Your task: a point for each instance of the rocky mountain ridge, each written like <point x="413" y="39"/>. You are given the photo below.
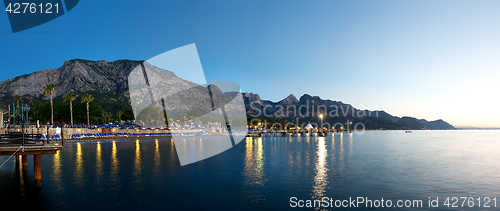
<point x="306" y="110"/>
<point x="109" y="80"/>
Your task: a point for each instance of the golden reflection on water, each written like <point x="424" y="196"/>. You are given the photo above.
<point x="248" y="154"/>
<point x="137" y="161"/>
<point x="79" y="164"/>
<point x="320" y="179"/>
<point x="259" y="167"/>
<point x="98" y="160"/>
<point x="172" y="151"/>
<point x="254" y="168"/>
<point x="22" y="178"/>
<point x="57" y="167"/>
<point x="157" y="157"/>
<point x="57" y="170"/>
<point x="114" y="160"/>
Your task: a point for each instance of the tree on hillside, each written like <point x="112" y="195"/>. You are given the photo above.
<point x="87" y="98"/>
<point x="109" y="115"/>
<point x="119" y="115"/>
<point x="36" y="105"/>
<point x="49" y="90"/>
<point x="71" y="97"/>
<point x="104" y="116"/>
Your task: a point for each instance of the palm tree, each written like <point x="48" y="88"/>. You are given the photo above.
<point x="87" y="98"/>
<point x="17" y="100"/>
<point x="109" y="115"/>
<point x="49" y="90"/>
<point x="71" y="97"/>
<point x="104" y="117"/>
<point x="120" y="115"/>
<point x="36" y="107"/>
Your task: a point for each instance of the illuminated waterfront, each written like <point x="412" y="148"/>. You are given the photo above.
<point x="262" y="172"/>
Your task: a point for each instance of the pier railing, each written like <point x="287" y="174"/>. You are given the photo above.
<point x="20" y="137"/>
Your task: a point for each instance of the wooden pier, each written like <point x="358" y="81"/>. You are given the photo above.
<point x="21" y="147"/>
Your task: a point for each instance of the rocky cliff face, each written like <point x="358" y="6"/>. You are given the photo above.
<point x="78" y="76"/>
<point x="110" y="81"/>
<point x="290" y="100"/>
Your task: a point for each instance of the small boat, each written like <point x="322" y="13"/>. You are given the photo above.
<point x="408" y="131"/>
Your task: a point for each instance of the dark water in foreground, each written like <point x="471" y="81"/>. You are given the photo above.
<point x="263" y="173"/>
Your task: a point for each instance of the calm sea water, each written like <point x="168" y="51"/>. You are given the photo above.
<point x="262" y="173"/>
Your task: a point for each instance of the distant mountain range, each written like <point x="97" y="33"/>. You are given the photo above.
<point x="108" y="82"/>
<point x="306" y="109"/>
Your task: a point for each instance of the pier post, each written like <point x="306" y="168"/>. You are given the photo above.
<point x="37" y="164"/>
<point x="24" y="159"/>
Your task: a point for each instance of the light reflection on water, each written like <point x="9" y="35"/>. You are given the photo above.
<point x="254" y="172"/>
<point x="157" y="157"/>
<point x="114" y="161"/>
<point x="320" y="179"/>
<point x="341" y="158"/>
<point x="264" y="172"/>
<point x="56" y="172"/>
<point x="137" y="161"/>
<point x="99" y="164"/>
<point x="79" y="177"/>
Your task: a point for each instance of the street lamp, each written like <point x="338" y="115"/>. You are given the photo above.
<point x="321" y="118"/>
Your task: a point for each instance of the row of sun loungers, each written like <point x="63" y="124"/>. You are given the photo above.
<point x="141" y="134"/>
<point x="99" y="126"/>
<point x="92" y="135"/>
<point x="54" y="137"/>
<point x="107" y="135"/>
<point x="159" y="134"/>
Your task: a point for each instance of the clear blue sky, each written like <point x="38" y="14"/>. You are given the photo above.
<point x="422" y="58"/>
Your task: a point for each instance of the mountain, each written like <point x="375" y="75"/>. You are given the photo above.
<point x="290" y="100"/>
<point x="78" y="76"/>
<point x="436" y="125"/>
<point x="411" y="122"/>
<point x="307" y="107"/>
<point x="108" y="82"/>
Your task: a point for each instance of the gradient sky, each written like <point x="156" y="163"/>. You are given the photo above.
<point x="421" y="58"/>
